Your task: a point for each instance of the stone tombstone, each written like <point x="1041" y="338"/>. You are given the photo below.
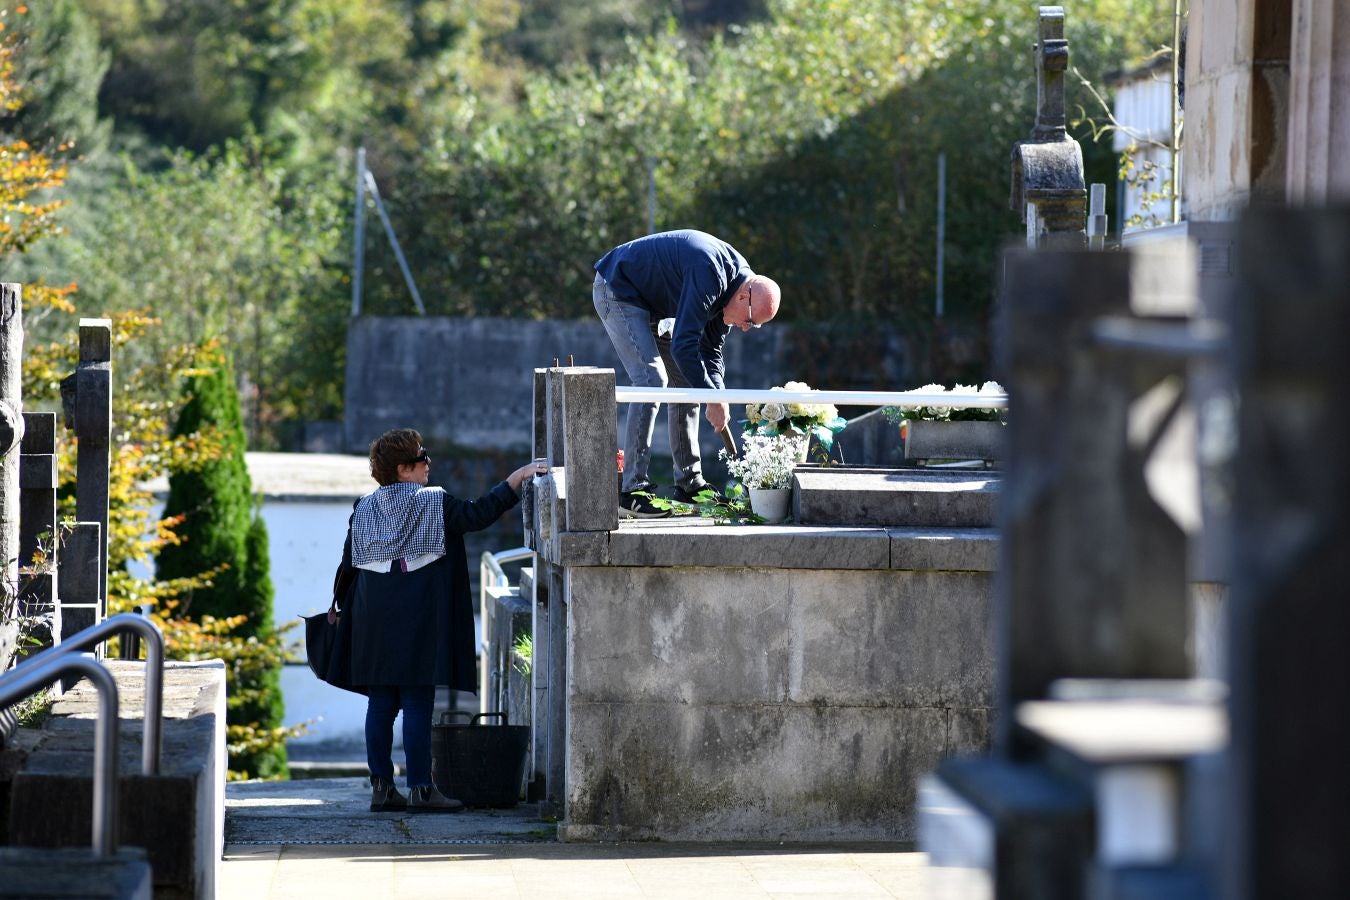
<point x="11" y="432"/>
<point x="37" y="518"/>
<point x="1092" y="575"/>
<point x="1047" y="169"/>
<point x="1289" y="669"/>
<point x="86" y="399"/>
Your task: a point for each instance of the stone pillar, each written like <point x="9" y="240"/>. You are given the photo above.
<point x="86" y="398"/>
<point x="590" y="436"/>
<point x="37" y="520"/>
<point x="11" y="432"/>
<point x="1289" y="671"/>
<point x="1093" y="569"/>
<point x="1237" y="105"/>
<point x="1319" y="103"/>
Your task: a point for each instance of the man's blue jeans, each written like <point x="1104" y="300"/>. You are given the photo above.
<point x="646" y="358"/>
<point x="416" y="702"/>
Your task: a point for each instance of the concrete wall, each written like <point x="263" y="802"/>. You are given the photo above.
<point x="787" y="704"/>
<point x="1237" y="105"/>
<point x="466" y="382"/>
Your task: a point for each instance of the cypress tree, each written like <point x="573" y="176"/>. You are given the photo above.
<point x="220" y="527"/>
<point x="214" y="497"/>
<point x="261" y="701"/>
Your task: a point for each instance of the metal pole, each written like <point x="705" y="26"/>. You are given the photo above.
<point x="393" y="242"/>
<point x="359" y="241"/>
<point x="941" y="227"/>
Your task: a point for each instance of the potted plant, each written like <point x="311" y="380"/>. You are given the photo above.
<point x="765" y="468"/>
<point x="946" y="432"/>
<point x="799" y="421"/>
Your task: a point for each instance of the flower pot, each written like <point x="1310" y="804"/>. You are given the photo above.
<point x="771" y="503"/>
<point x="953" y="440"/>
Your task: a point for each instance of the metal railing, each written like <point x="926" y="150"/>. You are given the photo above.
<point x="154" y="672"/>
<point x="34" y="675"/>
<point x="490" y="574"/>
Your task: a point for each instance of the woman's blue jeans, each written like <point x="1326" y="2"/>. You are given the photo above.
<point x="416" y="702"/>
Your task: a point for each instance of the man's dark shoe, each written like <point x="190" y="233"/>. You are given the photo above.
<point x="384" y="797"/>
<point x="634" y="506"/>
<point x="689" y="494"/>
<point x="426" y="799"/>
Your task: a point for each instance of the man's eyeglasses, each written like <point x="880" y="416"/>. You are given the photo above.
<point x="750" y="306"/>
<point x="422" y="457"/>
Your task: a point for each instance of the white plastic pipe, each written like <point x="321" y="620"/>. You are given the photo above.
<point x="839" y="398"/>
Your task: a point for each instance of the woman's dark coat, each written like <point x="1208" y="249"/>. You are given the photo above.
<point x="410" y="628"/>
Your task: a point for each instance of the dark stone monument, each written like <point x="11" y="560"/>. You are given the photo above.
<point x="1047" y="168"/>
<point x="11" y="432"/>
<point x="39" y="543"/>
<point x="86" y="399"/>
<point x="1093" y="571"/>
<point x="1289" y="671"/>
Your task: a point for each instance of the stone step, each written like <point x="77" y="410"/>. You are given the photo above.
<point x="176" y="815"/>
<point x="32" y="872"/>
<point x="926" y="498"/>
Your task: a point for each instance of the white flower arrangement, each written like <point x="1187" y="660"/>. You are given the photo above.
<point x="948" y="413"/>
<point x="796" y="419"/>
<point x="766" y="461"/>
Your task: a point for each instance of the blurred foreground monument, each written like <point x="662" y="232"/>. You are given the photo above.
<point x="1176" y="506"/>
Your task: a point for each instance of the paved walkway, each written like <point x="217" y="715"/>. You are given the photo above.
<point x="306" y="839"/>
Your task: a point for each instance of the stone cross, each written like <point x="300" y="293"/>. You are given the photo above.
<point x="1052" y="61"/>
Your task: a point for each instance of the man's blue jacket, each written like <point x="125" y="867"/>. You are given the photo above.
<point x="686" y="275"/>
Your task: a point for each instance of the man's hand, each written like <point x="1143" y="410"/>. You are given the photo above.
<point x="717" y="415"/>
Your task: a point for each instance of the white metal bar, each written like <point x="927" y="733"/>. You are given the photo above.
<point x="839" y="398"/>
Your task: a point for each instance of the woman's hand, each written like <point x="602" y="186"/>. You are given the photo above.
<point x="517" y="478"/>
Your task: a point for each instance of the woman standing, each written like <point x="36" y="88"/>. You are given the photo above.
<point x="404" y="582"/>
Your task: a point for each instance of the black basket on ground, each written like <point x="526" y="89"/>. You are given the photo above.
<point x="480" y="765"/>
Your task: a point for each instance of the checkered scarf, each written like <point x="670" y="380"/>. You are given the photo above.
<point x="398" y="521"/>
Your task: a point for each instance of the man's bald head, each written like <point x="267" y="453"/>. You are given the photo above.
<point x="767" y="297"/>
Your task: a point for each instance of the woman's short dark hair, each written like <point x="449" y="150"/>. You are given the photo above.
<point x="392" y="449"/>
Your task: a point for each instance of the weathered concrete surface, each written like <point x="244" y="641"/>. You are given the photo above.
<point x="695" y="542"/>
<point x="1237" y="104"/>
<point x="676" y="772"/>
<point x="938" y="499"/>
<point x="1319" y="116"/>
<point x="745" y="703"/>
<point x="953" y="440"/>
<point x="177" y="815"/>
<point x="74" y="873"/>
<point x="951" y="549"/>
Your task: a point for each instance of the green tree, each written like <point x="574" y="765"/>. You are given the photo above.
<point x="220" y="533"/>
<point x="261" y="709"/>
<point x="214" y="500"/>
<point x="61" y="67"/>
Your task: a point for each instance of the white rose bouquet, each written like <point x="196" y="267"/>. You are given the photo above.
<point x="947" y="413"/>
<point x="794" y="419"/>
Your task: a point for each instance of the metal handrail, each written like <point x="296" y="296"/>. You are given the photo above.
<point x="29" y="678"/>
<point x="154" y="672"/>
